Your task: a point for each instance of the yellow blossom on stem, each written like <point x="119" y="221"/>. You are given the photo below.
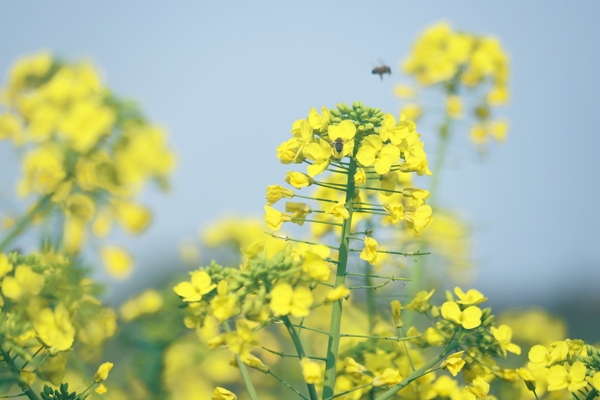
<point x="396" y="211"/>
<point x="255" y="362"/>
<point x="299" y="211"/>
<point x="223" y="304"/>
<point x="276" y="192"/>
<point x="418" y="196"/>
<point x="369" y="252"/>
<point x="503" y="334"/>
<point x="338" y="210"/>
<point x="102" y="372"/>
<point x="539" y="357"/>
<point x="373" y="152"/>
<point x="596" y="381"/>
<point x="345" y="131"/>
<point x="275" y="219"/>
<point x="285" y="300"/>
<point x="200" y="285"/>
<point x="117" y="261"/>
<point x="421" y="301"/>
<point x="527" y="377"/>
<point x="360" y="177"/>
<point x="454" y="363"/>
<point x="419" y="219"/>
<point x="480" y="389"/>
<point x="389" y="377"/>
<point x="469" y="318"/>
<point x="319" y="153"/>
<point x="223" y="394"/>
<point x="318" y="122"/>
<point x="311" y="370"/>
<point x="25" y="281"/>
<point x="101" y="389"/>
<point x="5" y="265"/>
<point x="298" y="179"/>
<point x="336" y="294"/>
<point x="471" y="298"/>
<point x="574" y="379"/>
<point x="353" y="368"/>
<point x="54" y="328"/>
<point x="291" y="151"/>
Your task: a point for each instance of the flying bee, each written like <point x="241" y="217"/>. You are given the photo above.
<point x="383" y="69"/>
<point x="338" y="145"/>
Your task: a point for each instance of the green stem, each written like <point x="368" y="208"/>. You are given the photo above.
<point x="288" y="385"/>
<point x="420" y="372"/>
<point x="24" y="221"/>
<point x="312" y="391"/>
<point x="27" y="391"/>
<point x="391" y="278"/>
<point x="340" y="279"/>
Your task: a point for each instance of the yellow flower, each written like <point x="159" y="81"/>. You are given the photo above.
<point x="353" y="368"/>
<point x="372" y="152"/>
<point x="298" y="179"/>
<point x="345" y="130"/>
<point x="336" y="294"/>
<point x="454" y="363"/>
<point x="5" y="265"/>
<point x="528" y="377"/>
<point x="275" y="219"/>
<point x="559" y="378"/>
<point x="319" y="153"/>
<point x="117" y="261"/>
<point x="43" y="170"/>
<point x="454" y="106"/>
<point x="369" y="253"/>
<point x="291" y="151"/>
<point x="419" y="219"/>
<point x="360" y="177"/>
<point x="200" y="285"/>
<point x="311" y="370"/>
<point x="101" y="389"/>
<point x="338" y="210"/>
<point x="102" y="373"/>
<point x="596" y="381"/>
<point x="471" y="298"/>
<point x="256" y="363"/>
<point x="389" y="377"/>
<point x="54" y="328"/>
<point x="503" y="335"/>
<point x="285" y="300"/>
<point x="276" y="192"/>
<point x="480" y="389"/>
<point x="539" y="357"/>
<point x="223" y="394"/>
<point x="317" y="122"/>
<point x="421" y="301"/>
<point x="223" y="304"/>
<point x="469" y="318"/>
<point x="24" y="281"/>
<point x="299" y="211"/>
<point x="396" y="211"/>
<point x="132" y="217"/>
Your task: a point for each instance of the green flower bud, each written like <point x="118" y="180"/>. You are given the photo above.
<point x="353" y="115"/>
<point x="380" y="114"/>
<point x="489" y="321"/>
<point x="369" y="127"/>
<point x="336" y="120"/>
<point x="486" y="312"/>
<point x="356" y="104"/>
<point x="435" y="311"/>
<point x="374" y="120"/>
<point x="449" y="296"/>
<point x="364" y="116"/>
<point x="335" y="113"/>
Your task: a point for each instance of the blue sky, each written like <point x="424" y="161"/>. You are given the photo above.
<point x="229" y="78"/>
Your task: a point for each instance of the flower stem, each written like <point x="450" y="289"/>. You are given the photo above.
<point x="27" y="391"/>
<point x="24" y="221"/>
<point x="312" y="391"/>
<point x="243" y="370"/>
<point x="340" y="278"/>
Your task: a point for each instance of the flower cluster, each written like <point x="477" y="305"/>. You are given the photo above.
<point x="460" y="61"/>
<point x="86" y="153"/>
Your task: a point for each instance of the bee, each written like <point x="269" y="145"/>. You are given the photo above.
<point x="338" y="145"/>
<point x="383" y="69"/>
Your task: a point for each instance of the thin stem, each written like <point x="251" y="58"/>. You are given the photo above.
<point x="401" y="334"/>
<point x="287" y="384"/>
<point x="312" y="391"/>
<point x="314" y="220"/>
<point x="283" y="355"/>
<point x="289" y="239"/>
<point x="391" y="278"/>
<point x="18" y="228"/>
<point x="315" y="198"/>
<point x="374" y="287"/>
<point x="394" y="338"/>
<point x="310" y="329"/>
<point x="27" y="391"/>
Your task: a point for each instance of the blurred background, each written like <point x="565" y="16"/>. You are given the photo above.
<point x="228" y="79"/>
